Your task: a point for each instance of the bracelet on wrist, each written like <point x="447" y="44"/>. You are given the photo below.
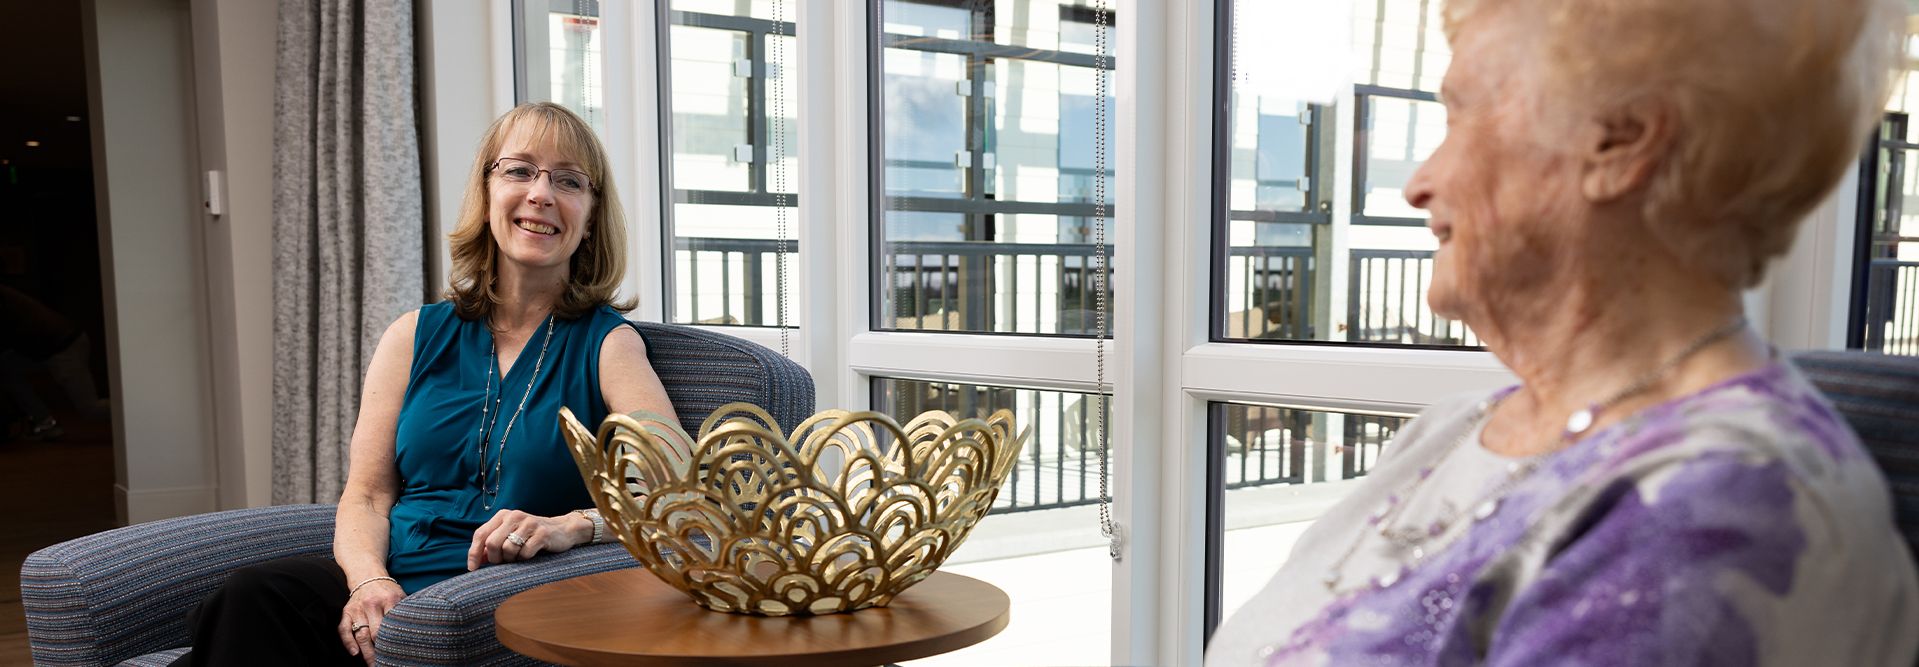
<point x="356" y="587"/>
<point x="592" y="516"/>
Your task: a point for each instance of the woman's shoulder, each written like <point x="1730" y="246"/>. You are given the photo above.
<point x="432" y="323"/>
<point x="435" y="312"/>
<point x="593" y="326"/>
<point x="1768" y="428"/>
<point x="1771" y="413"/>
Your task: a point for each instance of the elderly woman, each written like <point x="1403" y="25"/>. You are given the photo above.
<point x="457" y="458"/>
<point x="1660" y="489"/>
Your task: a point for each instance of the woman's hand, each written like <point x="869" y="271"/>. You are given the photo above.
<point x="513" y="535"/>
<point x="360" y="621"/>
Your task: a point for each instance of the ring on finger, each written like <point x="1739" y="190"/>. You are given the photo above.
<point x="359" y="626"/>
<point x="516" y="539"/>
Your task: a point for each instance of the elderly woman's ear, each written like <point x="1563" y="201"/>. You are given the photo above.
<point x="1623" y="149"/>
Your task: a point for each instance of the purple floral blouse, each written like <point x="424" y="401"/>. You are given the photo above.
<point x="1742" y="525"/>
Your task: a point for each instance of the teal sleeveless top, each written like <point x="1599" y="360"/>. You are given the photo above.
<point x="437" y="445"/>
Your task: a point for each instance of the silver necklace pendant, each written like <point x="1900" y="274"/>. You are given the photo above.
<point x="1486" y="509"/>
<point x="1387" y="580"/>
<point x="1580" y="421"/>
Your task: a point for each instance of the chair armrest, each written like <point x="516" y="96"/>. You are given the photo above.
<point x="108" y="597"/>
<point x="451" y="622"/>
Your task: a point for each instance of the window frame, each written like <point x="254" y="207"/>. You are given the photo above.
<point x="978" y="206"/>
<point x="759" y="129"/>
<point x="1164" y="365"/>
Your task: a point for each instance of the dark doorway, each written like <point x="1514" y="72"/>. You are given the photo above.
<point x="60" y="487"/>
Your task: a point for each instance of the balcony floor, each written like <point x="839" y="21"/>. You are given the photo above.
<point x="1060" y="599"/>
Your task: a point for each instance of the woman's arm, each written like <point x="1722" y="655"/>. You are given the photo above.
<point x="628" y="383"/>
<point x="372" y="486"/>
<point x="627" y="379"/>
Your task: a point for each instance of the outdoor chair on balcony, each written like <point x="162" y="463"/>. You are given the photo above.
<point x="121" y="597"/>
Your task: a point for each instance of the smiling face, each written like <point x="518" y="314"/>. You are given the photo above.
<point x="1504" y="202"/>
<point x="536" y="225"/>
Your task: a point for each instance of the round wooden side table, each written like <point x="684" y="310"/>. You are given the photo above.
<point x="630" y="617"/>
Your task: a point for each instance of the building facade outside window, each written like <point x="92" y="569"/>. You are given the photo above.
<point x="732" y="109"/>
<point x="988" y="142"/>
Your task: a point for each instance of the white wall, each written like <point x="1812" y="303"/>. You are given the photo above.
<point x="233" y="52"/>
<point x="464" y="84"/>
<point x="182" y="87"/>
<point x="140" y="83"/>
<point x="1808" y="294"/>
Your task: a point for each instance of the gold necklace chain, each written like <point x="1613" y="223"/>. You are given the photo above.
<point x="493" y="357"/>
<point x="1414" y="538"/>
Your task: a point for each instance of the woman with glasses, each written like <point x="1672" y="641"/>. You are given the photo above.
<point x="1661" y="488"/>
<point x="457" y="457"/>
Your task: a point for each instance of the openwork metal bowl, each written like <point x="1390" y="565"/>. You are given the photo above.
<point x="844" y="515"/>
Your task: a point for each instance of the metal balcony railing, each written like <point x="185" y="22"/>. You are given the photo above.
<point x="1267" y="445"/>
<point x="724" y="280"/>
<point x="1059" y="464"/>
<point x="1271" y="288"/>
<point x="1041" y="288"/>
<point x="1892" y="307"/>
<point x="1387" y="297"/>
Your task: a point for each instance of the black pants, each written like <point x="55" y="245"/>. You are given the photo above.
<point x="281" y="612"/>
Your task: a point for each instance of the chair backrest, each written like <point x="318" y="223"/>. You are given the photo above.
<point x="703" y="370"/>
<point x="1879" y="395"/>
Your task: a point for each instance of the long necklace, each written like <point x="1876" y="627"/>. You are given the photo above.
<point x="1414" y="539"/>
<point x="493" y="356"/>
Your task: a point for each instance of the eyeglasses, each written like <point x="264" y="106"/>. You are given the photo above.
<point x="515" y="170"/>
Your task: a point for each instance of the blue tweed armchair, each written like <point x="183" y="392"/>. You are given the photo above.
<point x="121" y="597"/>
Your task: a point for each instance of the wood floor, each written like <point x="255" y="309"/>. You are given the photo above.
<point x="50" y="492"/>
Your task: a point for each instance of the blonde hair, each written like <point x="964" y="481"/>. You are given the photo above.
<point x="597" y="266"/>
<point x="1773" y="100"/>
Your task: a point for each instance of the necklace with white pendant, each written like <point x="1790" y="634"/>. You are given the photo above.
<point x="487" y="496"/>
<point x="1417" y="541"/>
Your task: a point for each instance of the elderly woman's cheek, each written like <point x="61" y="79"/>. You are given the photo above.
<point x="1443" y="295"/>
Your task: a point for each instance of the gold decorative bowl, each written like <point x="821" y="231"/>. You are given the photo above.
<point x="749" y="522"/>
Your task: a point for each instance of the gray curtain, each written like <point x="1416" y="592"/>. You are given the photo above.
<point x="347" y="224"/>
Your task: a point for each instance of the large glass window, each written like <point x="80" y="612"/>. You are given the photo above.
<point x="1886" y="317"/>
<point x="732" y="143"/>
<point x="1272" y="470"/>
<point x="1885" y="308"/>
<point x="989" y="165"/>
<point x="560" y="57"/>
<point x="1041" y="543"/>
<point x="1306" y="252"/>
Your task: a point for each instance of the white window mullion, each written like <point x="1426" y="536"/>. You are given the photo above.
<point x="1062" y="364"/>
<point x="633" y="144"/>
<point x="1141" y="400"/>
<point x="1337" y="378"/>
<point x="834" y="210"/>
<point x="1181" y="453"/>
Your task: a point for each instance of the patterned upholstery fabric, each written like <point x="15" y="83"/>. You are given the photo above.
<point x="451" y="623"/>
<point x="104" y="598"/>
<point x="703" y="370"/>
<point x="1879" y="396"/>
<point x="121" y="597"/>
<point x="161" y="659"/>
